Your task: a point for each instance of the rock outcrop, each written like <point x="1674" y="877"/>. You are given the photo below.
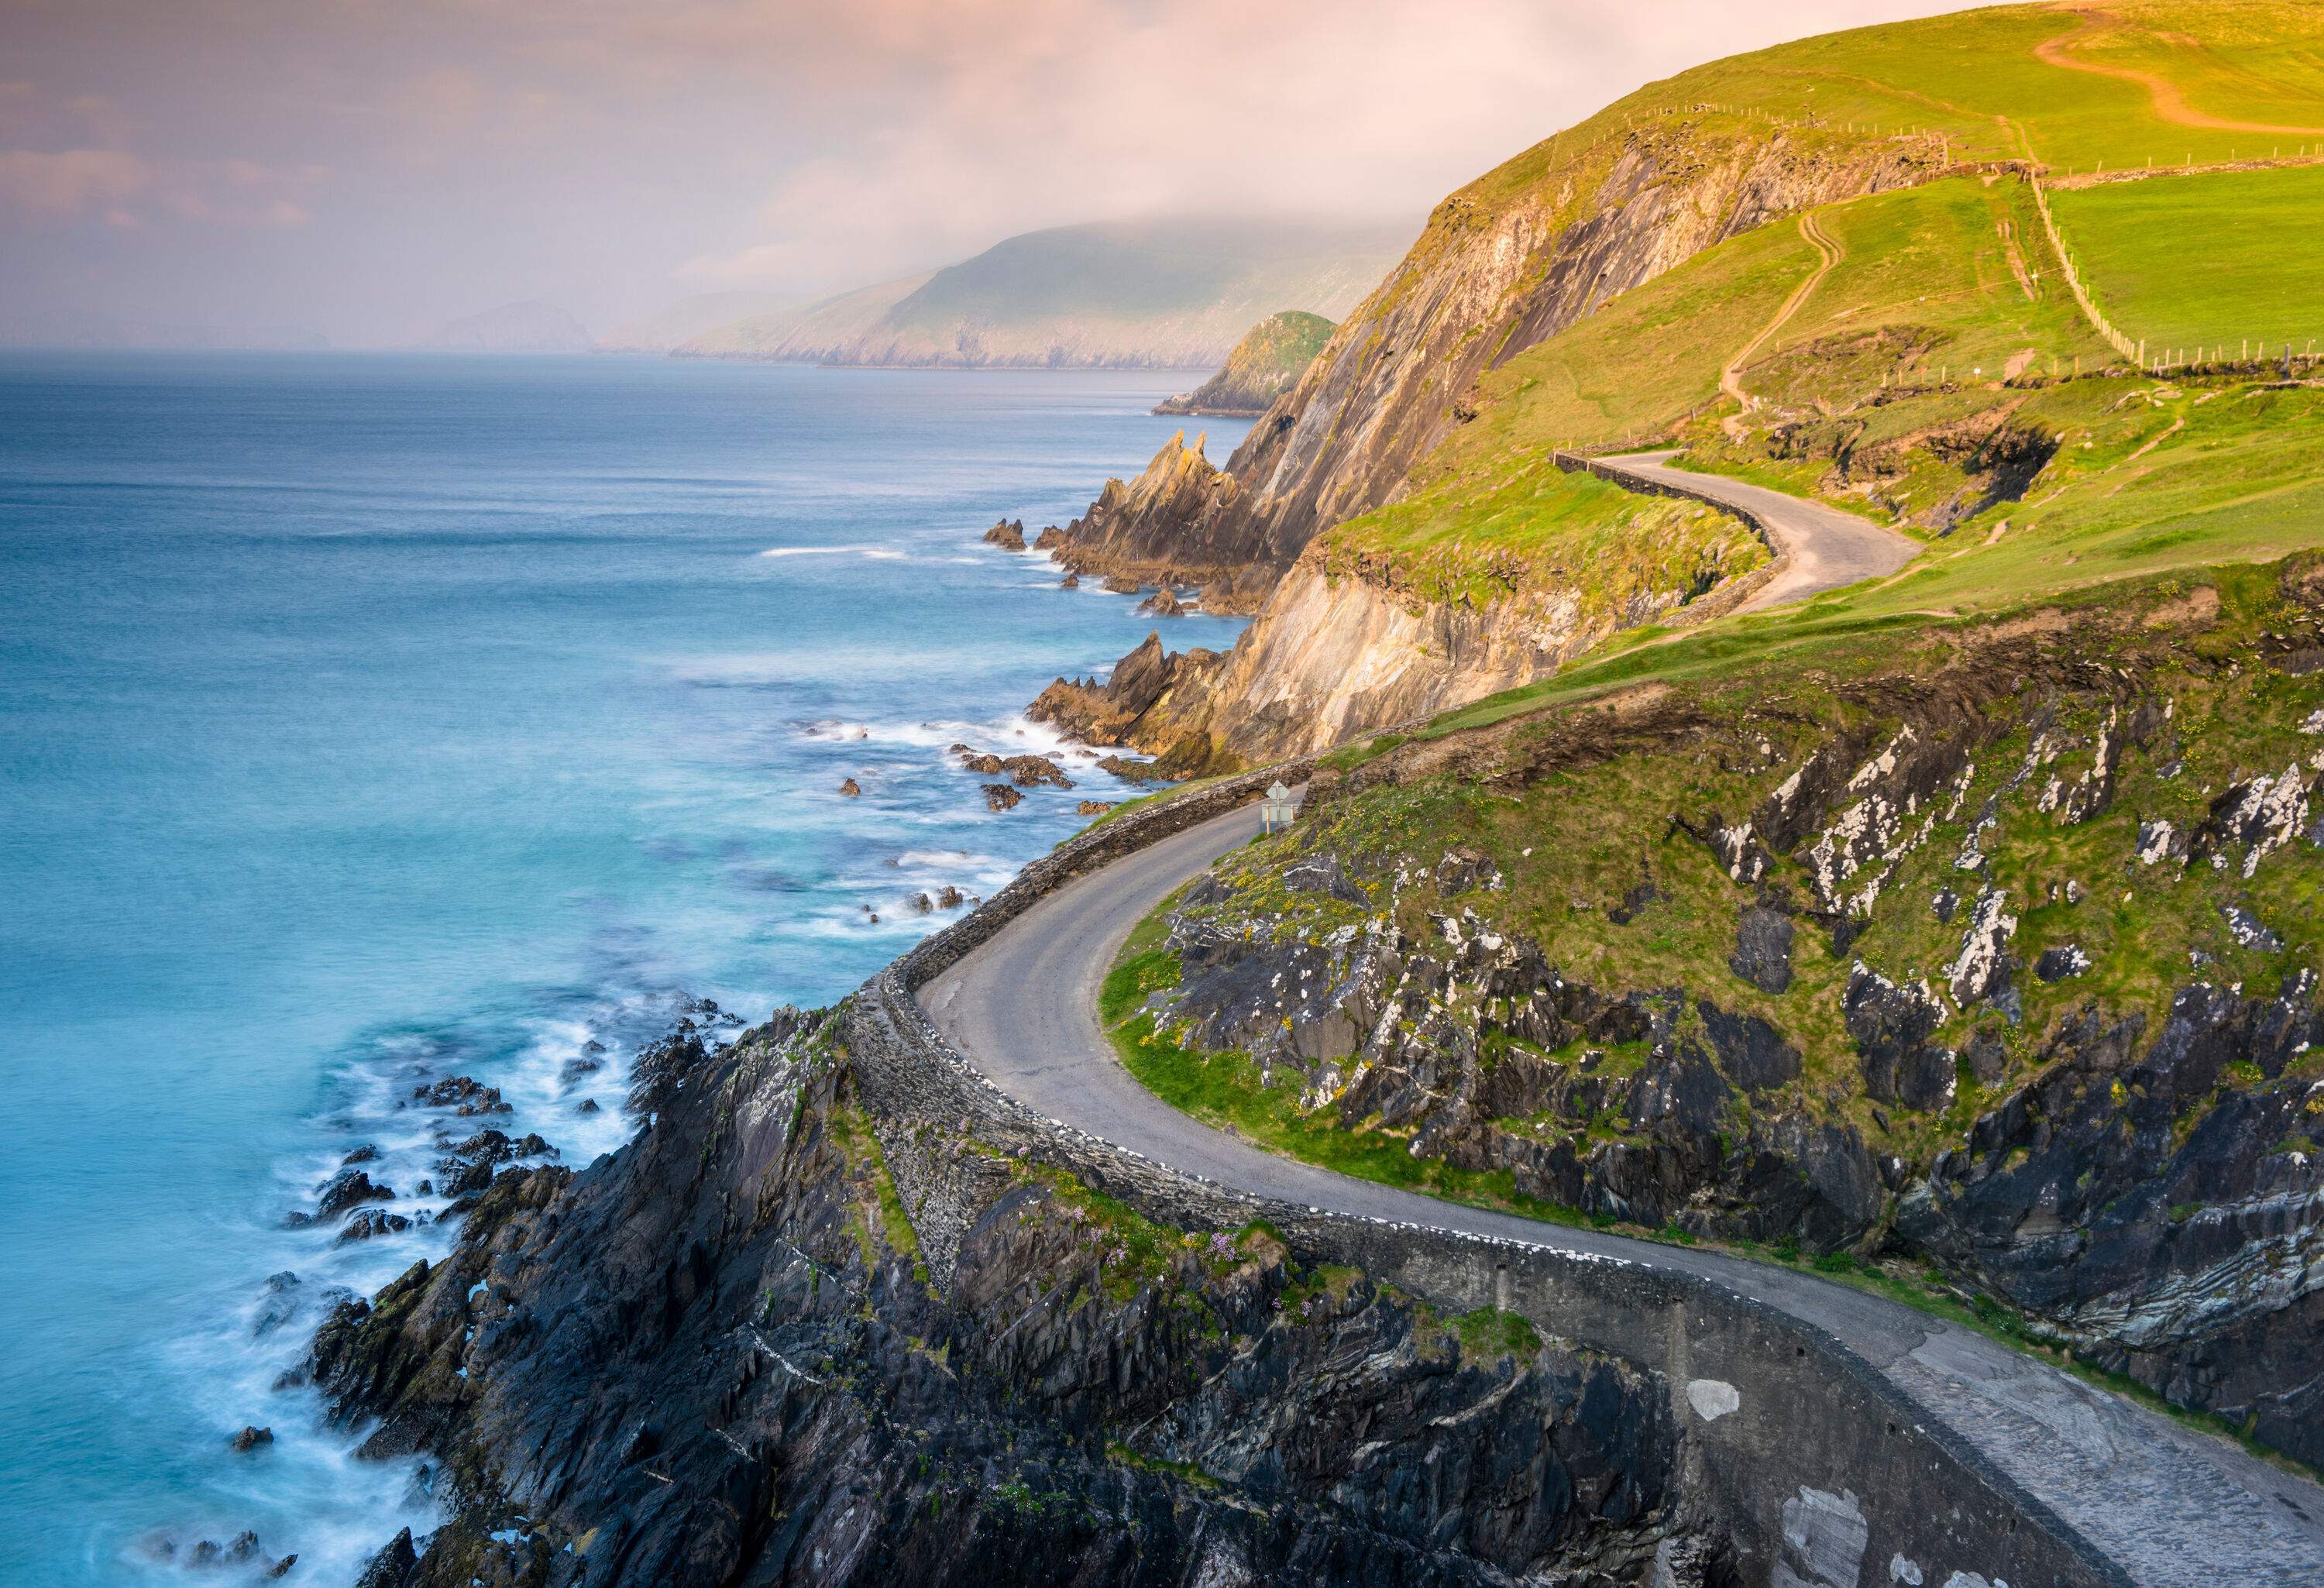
<point x="1163" y="528"/>
<point x="717" y="1357"/>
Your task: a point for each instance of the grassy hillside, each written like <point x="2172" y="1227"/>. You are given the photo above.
<point x="1907" y="353"/>
<point x="1267" y="362"/>
<point x="2207" y="262"/>
<point x="1962" y="926"/>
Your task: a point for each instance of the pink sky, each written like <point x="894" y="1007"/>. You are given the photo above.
<point x="370" y="168"/>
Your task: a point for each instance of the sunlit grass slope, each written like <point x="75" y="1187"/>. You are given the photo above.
<point x="1958" y="275"/>
<point x="2206" y="261"/>
<point x="2150" y="478"/>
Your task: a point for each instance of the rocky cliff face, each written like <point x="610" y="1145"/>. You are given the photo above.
<point x="1505" y="263"/>
<point x="1164" y="529"/>
<point x="717" y="1358"/>
<point x="2000" y="957"/>
<point x="1350" y="641"/>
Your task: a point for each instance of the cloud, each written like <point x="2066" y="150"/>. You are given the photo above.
<point x="982" y="119"/>
<point x="589" y="151"/>
<point x="69" y="181"/>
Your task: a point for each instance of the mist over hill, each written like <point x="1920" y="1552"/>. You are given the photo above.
<point x="1174" y="293"/>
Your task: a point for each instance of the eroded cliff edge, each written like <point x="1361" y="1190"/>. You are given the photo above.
<point x="720" y="1356"/>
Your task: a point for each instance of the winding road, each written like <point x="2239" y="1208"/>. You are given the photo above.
<point x="2176" y="1507"/>
<point x="1817" y="547"/>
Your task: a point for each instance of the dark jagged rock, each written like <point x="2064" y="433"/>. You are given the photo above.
<point x="1007" y="536"/>
<point x="850" y="788"/>
<point x="1891" y="1026"/>
<point x="1001" y="797"/>
<point x="250" y="1438"/>
<point x="1049" y="538"/>
<point x="391" y="1567"/>
<point x="711" y="1360"/>
<point x="374" y="1222"/>
<point x="1752" y="1052"/>
<point x="2072" y="1200"/>
<point x="349" y="1188"/>
<point x="2056" y="965"/>
<point x="463" y="1095"/>
<point x="1026" y="771"/>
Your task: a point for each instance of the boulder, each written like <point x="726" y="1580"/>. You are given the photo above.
<point x="371" y="1222"/>
<point x="1007" y="536"/>
<point x="251" y="1438"/>
<point x="1001" y="797"/>
<point x="463" y="1095"/>
<point x="850" y="788"/>
<point x="349" y="1188"/>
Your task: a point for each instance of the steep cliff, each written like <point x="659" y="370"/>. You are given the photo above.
<point x="1504" y="265"/>
<point x="718" y="1357"/>
<point x="1363" y="634"/>
<point x="1267" y="362"/>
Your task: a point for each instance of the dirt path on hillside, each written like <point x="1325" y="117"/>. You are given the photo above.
<point x="1730" y="379"/>
<point x="2169" y="103"/>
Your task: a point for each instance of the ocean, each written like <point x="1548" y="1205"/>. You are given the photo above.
<point x="375" y="721"/>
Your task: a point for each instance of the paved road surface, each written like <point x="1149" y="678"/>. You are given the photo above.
<point x="2175" y="1507"/>
<point x="1822" y="548"/>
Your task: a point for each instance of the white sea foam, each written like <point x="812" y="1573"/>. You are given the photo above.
<point x="870" y="553"/>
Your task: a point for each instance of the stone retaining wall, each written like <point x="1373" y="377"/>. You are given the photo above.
<point x="1822" y="1472"/>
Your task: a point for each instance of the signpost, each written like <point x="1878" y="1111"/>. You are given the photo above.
<point x="1275" y="811"/>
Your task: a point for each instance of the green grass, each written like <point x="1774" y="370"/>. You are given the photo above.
<point x="2210" y="262"/>
<point x="1522" y="525"/>
<point x="1638" y="365"/>
<point x="1932" y="267"/>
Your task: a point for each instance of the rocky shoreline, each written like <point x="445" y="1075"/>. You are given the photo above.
<point x="718" y="1356"/>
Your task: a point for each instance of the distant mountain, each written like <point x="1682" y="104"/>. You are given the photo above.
<point x="807" y="334"/>
<point x="1157" y="294"/>
<point x="82" y="328"/>
<point x="532" y="327"/>
<point x="690" y="318"/>
<point x="1267" y="362"/>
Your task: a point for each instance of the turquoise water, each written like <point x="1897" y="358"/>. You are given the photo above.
<point x="371" y="720"/>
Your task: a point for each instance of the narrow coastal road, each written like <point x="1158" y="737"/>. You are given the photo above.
<point x="1822" y="548"/>
<point x="2177" y="1509"/>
